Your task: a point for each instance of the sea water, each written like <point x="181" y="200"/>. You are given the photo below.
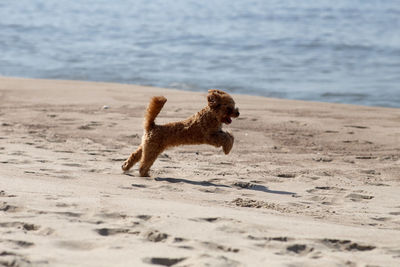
<point x="335" y="51"/>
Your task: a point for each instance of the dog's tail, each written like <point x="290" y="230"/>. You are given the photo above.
<point x="155" y="106"/>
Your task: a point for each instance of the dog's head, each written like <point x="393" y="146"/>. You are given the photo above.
<point x="223" y="105"/>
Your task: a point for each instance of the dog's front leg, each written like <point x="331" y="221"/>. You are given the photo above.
<point x="133" y="158"/>
<point x="223" y="139"/>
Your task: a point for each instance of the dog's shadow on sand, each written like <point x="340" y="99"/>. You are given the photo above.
<point x="239" y="185"/>
<point x="179" y="180"/>
<point x="265" y="189"/>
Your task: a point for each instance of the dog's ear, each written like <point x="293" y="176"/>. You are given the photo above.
<point x="216" y="91"/>
<point x="213" y="98"/>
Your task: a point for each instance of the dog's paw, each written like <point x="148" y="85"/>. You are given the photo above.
<point x="228" y="144"/>
<point x="125" y="167"/>
<point x="227" y="148"/>
<point x="144" y="172"/>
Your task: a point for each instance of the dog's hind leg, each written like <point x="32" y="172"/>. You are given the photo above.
<point x="133" y="159"/>
<point x="149" y="155"/>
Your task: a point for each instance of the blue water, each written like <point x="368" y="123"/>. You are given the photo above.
<point x="335" y="51"/>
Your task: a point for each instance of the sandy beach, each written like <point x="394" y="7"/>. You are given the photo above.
<point x="306" y="184"/>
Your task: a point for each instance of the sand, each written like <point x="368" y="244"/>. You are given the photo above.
<point x="306" y="184"/>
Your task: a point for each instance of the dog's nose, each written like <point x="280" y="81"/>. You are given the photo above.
<point x="237" y="113"/>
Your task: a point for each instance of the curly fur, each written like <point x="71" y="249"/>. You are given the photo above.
<point x="204" y="127"/>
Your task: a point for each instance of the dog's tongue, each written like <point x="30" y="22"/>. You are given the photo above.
<point x="228" y="120"/>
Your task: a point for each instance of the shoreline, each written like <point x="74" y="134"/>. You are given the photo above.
<point x="306" y="183"/>
<point x="188" y="91"/>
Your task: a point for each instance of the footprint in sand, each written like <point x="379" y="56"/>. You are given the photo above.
<point x="72" y="164"/>
<point x="9" y="258"/>
<point x="373" y="172"/>
<point x="7" y="253"/>
<point x="65" y="205"/>
<point x="358" y="197"/>
<point x="17" y="243"/>
<point x="4" y="194"/>
<point x="345" y="245"/>
<point x="318" y="188"/>
<point x="357" y="126"/>
<point x="286" y="175"/>
<point x="170" y="188"/>
<point x="68" y="214"/>
<point x="155" y="236"/>
<point x="186" y="247"/>
<point x="163" y="261"/>
<point x="251" y="203"/>
<point x="20" y="225"/>
<point x="46" y="231"/>
<point x="64" y="176"/>
<point x="299" y="249"/>
<point x="4" y="206"/>
<point x="144" y="217"/>
<point x="214" y="190"/>
<point x="323" y="159"/>
<point x="15" y="161"/>
<point x="139" y="185"/>
<point x="366" y="157"/>
<point x="112" y="215"/>
<point x="64" y="151"/>
<point x="381" y="219"/>
<point x="18" y="153"/>
<point x="210" y="219"/>
<point x="215" y="247"/>
<point x="75" y="245"/>
<point x="114" y="231"/>
<point x="90" y="126"/>
<point x="326" y="195"/>
<point x="278" y="238"/>
<point x="118" y="160"/>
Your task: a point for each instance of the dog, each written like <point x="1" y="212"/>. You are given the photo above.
<point x="204" y="127"/>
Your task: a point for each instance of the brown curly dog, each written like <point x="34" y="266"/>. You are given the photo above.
<point x="204" y="127"/>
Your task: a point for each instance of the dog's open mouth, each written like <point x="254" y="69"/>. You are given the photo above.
<point x="227" y="120"/>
